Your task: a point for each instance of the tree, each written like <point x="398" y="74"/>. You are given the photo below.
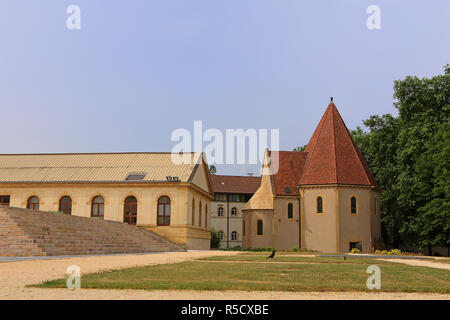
<point x="300" y="149"/>
<point x="215" y="239"/>
<point x="212" y="169"/>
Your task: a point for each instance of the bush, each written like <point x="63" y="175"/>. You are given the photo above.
<point x="395" y="252"/>
<point x="294" y="249"/>
<point x="355" y="251"/>
<point x="215" y="240"/>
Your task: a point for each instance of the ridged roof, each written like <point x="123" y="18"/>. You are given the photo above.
<point x="93" y="167"/>
<point x="235" y="184"/>
<point x="333" y="157"/>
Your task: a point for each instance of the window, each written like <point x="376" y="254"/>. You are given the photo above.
<point x="220" y="211"/>
<point x="130" y="210"/>
<point x="290" y="211"/>
<point x="235" y="197"/>
<point x="243" y="227"/>
<point x="234" y="212"/>
<point x="206" y="216"/>
<point x="193" y="212"/>
<point x="98" y="207"/>
<point x="33" y="203"/>
<point x="220" y="235"/>
<point x="200" y="214"/>
<point x="220" y="197"/>
<point x="319" y="205"/>
<point x="163" y="211"/>
<point x="4" y="201"/>
<point x="259" y="228"/>
<point x="65" y="205"/>
<point x="234" y="236"/>
<point x="135" y="176"/>
<point x="353" y="205"/>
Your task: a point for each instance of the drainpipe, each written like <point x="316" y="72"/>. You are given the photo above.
<point x="228" y="220"/>
<point x="299" y="221"/>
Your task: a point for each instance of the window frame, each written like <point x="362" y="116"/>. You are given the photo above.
<point x="235" y="234"/>
<point x="321" y="205"/>
<point x="95" y="207"/>
<point x="291" y="211"/>
<point x="164" y="216"/>
<point x="259" y="228"/>
<point x="356" y="205"/>
<point x="3" y="202"/>
<point x="218" y="212"/>
<point x="130" y="216"/>
<point x="33" y="206"/>
<point x="65" y="207"/>
<point x="236" y="212"/>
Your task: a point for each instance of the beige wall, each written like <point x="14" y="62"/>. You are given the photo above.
<point x="319" y="229"/>
<point x="251" y="239"/>
<point x="286" y="230"/>
<point x="114" y="196"/>
<point x="220" y="223"/>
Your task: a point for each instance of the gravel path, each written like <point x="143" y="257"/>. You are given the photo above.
<point x="420" y="263"/>
<point x="15" y="275"/>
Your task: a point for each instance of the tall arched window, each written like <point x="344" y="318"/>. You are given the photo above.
<point x="243" y="227"/>
<point x="164" y="211"/>
<point x="353" y="205"/>
<point x="259" y="228"/>
<point x="193" y="212"/>
<point x="130" y="210"/>
<point x="33" y="203"/>
<point x="65" y="205"/>
<point x="234" y="212"/>
<point x="290" y="211"/>
<point x="220" y="211"/>
<point x="98" y="207"/>
<point x="234" y="236"/>
<point x="319" y="205"/>
<point x="200" y="214"/>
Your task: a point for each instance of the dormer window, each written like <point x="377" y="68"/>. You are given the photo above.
<point x="135" y="177"/>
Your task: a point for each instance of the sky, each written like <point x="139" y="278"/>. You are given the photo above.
<point x="138" y="70"/>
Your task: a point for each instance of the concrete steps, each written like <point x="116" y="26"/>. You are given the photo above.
<point x="35" y="233"/>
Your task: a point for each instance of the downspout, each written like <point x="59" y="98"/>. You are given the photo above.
<point x="299" y="221"/>
<point x="228" y="220"/>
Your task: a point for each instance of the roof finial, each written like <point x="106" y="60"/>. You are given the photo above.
<point x="331" y="98"/>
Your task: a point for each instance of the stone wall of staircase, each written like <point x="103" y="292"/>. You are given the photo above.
<point x="25" y="232"/>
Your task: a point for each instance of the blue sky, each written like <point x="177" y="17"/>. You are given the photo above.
<point x="139" y="69"/>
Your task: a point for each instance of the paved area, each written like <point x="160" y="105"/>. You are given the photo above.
<point x="15" y="275"/>
<point x="420" y="263"/>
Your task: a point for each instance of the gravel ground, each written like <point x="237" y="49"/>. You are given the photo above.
<point x="15" y="275"/>
<point x="420" y="263"/>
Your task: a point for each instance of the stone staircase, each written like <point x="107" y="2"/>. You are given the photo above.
<point x="25" y="232"/>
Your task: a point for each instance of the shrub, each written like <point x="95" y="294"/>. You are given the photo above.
<point x="215" y="240"/>
<point x="355" y="251"/>
<point x="294" y="249"/>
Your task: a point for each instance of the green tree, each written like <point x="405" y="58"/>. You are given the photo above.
<point x="301" y="148"/>
<point x="215" y="240"/>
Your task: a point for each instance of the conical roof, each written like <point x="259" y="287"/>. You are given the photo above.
<point x="333" y="157"/>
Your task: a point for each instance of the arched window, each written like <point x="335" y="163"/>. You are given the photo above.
<point x="193" y="212"/>
<point x="200" y="214"/>
<point x="221" y="235"/>
<point x="98" y="207"/>
<point x="319" y="205"/>
<point x="33" y="203"/>
<point x="164" y="211"/>
<point x="220" y="211"/>
<point x="65" y="205"/>
<point x="353" y="205"/>
<point x="290" y="211"/>
<point x="234" y="236"/>
<point x="206" y="216"/>
<point x="259" y="228"/>
<point x="234" y="212"/>
<point x="130" y="210"/>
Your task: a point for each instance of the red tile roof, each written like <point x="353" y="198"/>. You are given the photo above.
<point x="333" y="156"/>
<point x="290" y="168"/>
<point x="235" y="184"/>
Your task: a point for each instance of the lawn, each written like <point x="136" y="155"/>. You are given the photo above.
<point x="253" y="272"/>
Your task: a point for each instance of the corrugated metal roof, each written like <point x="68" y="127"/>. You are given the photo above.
<point x="93" y="167"/>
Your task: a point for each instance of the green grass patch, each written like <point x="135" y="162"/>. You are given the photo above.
<point x="293" y="274"/>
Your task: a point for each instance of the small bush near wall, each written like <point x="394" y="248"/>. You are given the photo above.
<point x="215" y="240"/>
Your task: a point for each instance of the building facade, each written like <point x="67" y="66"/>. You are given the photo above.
<point x="231" y="193"/>
<point x="323" y="199"/>
<point x="148" y="190"/>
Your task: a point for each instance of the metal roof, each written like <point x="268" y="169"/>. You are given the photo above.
<point x="94" y="167"/>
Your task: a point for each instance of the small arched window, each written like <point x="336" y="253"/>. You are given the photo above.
<point x="98" y="207"/>
<point x="243" y="227"/>
<point x="65" y="205"/>
<point x="163" y="211"/>
<point x="319" y="205"/>
<point x="193" y="212"/>
<point x="353" y="205"/>
<point x="200" y="214"/>
<point x="234" y="236"/>
<point x="234" y="212"/>
<point x="259" y="228"/>
<point x="33" y="203"/>
<point x="220" y="235"/>
<point x="130" y="210"/>
<point x="220" y="211"/>
<point x="290" y="211"/>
